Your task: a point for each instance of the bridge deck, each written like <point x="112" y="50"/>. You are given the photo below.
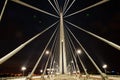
<point x="63" y="77"/>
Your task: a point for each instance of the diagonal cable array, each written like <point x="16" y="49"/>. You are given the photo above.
<point x="75" y="53"/>
<point x="84" y="9"/>
<point x="53" y="7"/>
<point x="96" y="36"/>
<point x="34" y="8"/>
<point x="68" y="33"/>
<point x="57" y="5"/>
<point x="54" y="53"/>
<point x="65" y="5"/>
<point x="38" y="61"/>
<point x="90" y="58"/>
<point x="9" y="55"/>
<point x="72" y="52"/>
<point x="51" y="52"/>
<point x="69" y="7"/>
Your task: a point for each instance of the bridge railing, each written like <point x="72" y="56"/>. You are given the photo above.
<point x="12" y="78"/>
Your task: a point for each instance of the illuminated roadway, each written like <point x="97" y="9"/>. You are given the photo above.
<point x="64" y="77"/>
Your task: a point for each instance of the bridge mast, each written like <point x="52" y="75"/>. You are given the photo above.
<point x="62" y="58"/>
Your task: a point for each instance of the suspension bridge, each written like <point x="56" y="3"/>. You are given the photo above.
<point x="63" y="59"/>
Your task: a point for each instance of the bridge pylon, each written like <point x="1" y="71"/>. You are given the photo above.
<point x="62" y="57"/>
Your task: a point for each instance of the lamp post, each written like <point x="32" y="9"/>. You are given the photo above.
<point x="79" y="51"/>
<point x="104" y="67"/>
<point x="23" y="69"/>
<point x="41" y="71"/>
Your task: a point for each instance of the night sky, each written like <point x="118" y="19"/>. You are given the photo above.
<point x="20" y="23"/>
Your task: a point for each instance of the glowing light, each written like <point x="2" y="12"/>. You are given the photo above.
<point x="71" y="61"/>
<point x="41" y="71"/>
<point x="79" y="51"/>
<point x="23" y="68"/>
<point x="47" y="52"/>
<point x="104" y="66"/>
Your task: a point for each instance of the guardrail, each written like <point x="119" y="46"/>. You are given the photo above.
<point x="12" y="78"/>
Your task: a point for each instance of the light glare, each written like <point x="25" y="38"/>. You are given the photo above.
<point x="104" y="66"/>
<point x="79" y="51"/>
<point x="47" y="52"/>
<point x="23" y="68"/>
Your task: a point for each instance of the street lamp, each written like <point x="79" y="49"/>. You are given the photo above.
<point x="104" y="67"/>
<point x="72" y="61"/>
<point x="79" y="51"/>
<point x="23" y="69"/>
<point x="47" y="52"/>
<point x="41" y="71"/>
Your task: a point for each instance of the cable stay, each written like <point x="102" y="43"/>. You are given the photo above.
<point x="89" y="7"/>
<point x="34" y="8"/>
<point x="53" y="7"/>
<point x="51" y="67"/>
<point x="30" y="75"/>
<point x="77" y="55"/>
<point x="69" y="7"/>
<point x="96" y="36"/>
<point x="103" y="75"/>
<point x="65" y="5"/>
<point x="51" y="52"/>
<point x="57" y="5"/>
<point x="65" y="1"/>
<point x="72" y="53"/>
<point x="3" y="9"/>
<point x="9" y="55"/>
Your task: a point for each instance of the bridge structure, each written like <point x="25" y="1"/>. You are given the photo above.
<point x="66" y="67"/>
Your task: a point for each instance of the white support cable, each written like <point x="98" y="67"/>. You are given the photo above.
<point x="84" y="9"/>
<point x="85" y="70"/>
<point x="65" y="1"/>
<point x="34" y="8"/>
<point x="56" y="54"/>
<point x="69" y="7"/>
<point x="3" y="9"/>
<point x="29" y="76"/>
<point x="66" y="6"/>
<point x="71" y="60"/>
<point x="69" y="41"/>
<point x="56" y="46"/>
<point x="49" y="55"/>
<point x="53" y="56"/>
<point x="51" y="52"/>
<point x="96" y="36"/>
<point x="76" y="67"/>
<point x="57" y="5"/>
<point x="53" y="7"/>
<point x="54" y="51"/>
<point x="56" y="58"/>
<point x="103" y="75"/>
<point x="72" y="52"/>
<point x="68" y="47"/>
<point x="9" y="55"/>
<point x="51" y="61"/>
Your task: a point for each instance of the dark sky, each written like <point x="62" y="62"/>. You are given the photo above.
<point x="20" y="23"/>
